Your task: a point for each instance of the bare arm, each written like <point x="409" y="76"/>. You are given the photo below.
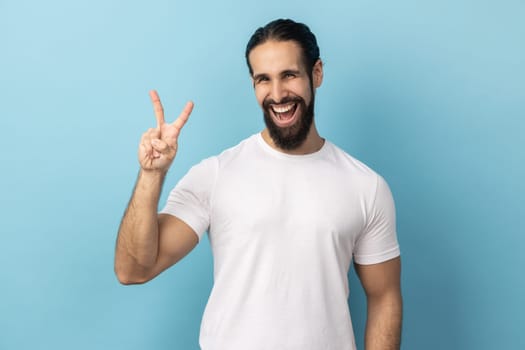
<point x="382" y="286"/>
<point x="148" y="243"/>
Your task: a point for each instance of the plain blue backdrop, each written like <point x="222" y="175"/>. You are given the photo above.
<point x="431" y="94"/>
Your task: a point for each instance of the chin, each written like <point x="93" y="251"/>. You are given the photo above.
<point x="293" y="136"/>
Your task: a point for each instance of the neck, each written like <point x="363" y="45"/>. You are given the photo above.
<point x="312" y="144"/>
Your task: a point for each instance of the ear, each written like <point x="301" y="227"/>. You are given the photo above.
<point x="317" y="73"/>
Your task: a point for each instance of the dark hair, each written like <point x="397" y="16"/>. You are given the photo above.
<point x="284" y="30"/>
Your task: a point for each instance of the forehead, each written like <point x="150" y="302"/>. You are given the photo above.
<point x="275" y="56"/>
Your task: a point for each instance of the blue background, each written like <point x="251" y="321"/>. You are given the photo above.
<point x="429" y="94"/>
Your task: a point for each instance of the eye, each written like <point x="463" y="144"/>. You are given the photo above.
<point x="261" y="79"/>
<point x="289" y="75"/>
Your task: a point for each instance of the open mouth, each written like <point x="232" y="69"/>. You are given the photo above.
<point x="284" y="114"/>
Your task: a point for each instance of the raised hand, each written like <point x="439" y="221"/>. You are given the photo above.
<point x="158" y="146"/>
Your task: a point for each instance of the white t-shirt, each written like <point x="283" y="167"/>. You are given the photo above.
<point x="283" y="231"/>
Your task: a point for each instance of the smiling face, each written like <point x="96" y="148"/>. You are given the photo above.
<point x="284" y="91"/>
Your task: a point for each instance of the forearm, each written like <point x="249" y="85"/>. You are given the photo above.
<point x="138" y="237"/>
<point x="383" y="326"/>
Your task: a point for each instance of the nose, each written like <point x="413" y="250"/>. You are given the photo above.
<point x="278" y="91"/>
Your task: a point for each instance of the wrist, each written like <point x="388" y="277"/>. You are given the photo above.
<point x="152" y="177"/>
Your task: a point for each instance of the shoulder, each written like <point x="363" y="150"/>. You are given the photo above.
<point x="357" y="172"/>
<point x="246" y="147"/>
<point x="348" y="163"/>
<point x="212" y="164"/>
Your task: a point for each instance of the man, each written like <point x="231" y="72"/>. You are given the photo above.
<point x="286" y="212"/>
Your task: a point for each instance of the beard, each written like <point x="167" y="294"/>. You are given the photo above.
<point x="293" y="136"/>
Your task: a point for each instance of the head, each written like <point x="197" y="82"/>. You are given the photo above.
<point x="286" y="30"/>
<point x="283" y="59"/>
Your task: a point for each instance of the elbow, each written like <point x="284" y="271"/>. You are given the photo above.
<point x="123" y="278"/>
<point x="126" y="281"/>
<point x="127" y="278"/>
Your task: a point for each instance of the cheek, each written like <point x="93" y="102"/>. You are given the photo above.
<point x="259" y="96"/>
<point x="306" y="94"/>
<point x="302" y="89"/>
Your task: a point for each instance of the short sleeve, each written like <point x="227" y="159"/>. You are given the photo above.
<point x="378" y="241"/>
<point x="190" y="199"/>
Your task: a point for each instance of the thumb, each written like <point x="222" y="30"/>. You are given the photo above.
<point x="159" y="145"/>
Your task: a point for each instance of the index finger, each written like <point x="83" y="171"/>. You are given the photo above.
<point x="184" y="115"/>
<point x="157" y="107"/>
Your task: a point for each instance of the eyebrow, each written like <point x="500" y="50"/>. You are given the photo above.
<point x="291" y="71"/>
<point x="259" y="76"/>
<point x="284" y="72"/>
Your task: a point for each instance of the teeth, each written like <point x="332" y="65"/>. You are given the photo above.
<point x="283" y="109"/>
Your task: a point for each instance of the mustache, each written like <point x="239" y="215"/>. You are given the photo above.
<point x="288" y="99"/>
